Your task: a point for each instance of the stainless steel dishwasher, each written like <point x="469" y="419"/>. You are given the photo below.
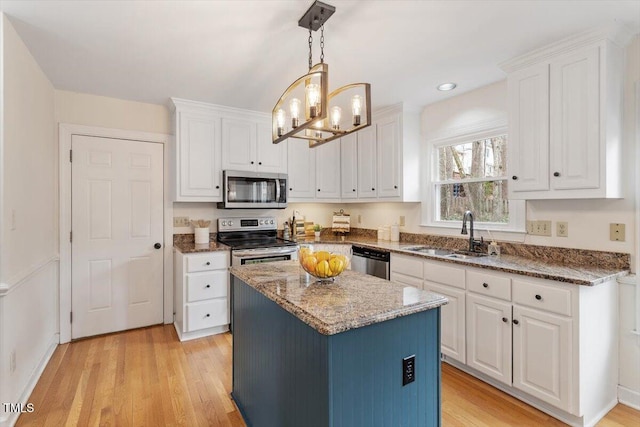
<point x="370" y="261"/>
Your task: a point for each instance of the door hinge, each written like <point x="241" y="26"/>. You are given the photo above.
<point x="70" y="236"/>
<point x="70" y="155"/>
<point x="71" y="317"/>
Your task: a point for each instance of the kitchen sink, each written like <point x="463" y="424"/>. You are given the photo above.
<point x="465" y="255"/>
<point x="430" y="251"/>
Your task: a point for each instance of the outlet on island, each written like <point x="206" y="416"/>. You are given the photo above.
<point x="408" y="369"/>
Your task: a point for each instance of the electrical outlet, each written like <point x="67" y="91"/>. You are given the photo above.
<point x="562" y="229"/>
<point x="401" y="222"/>
<point x="408" y="369"/>
<point x="181" y="221"/>
<point x="12" y="361"/>
<point x="530" y="225"/>
<point x="616" y="232"/>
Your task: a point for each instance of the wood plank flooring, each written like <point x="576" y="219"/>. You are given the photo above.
<point x="146" y="377"/>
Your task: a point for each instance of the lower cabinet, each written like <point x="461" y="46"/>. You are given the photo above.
<point x="201" y="294"/>
<point x="551" y="344"/>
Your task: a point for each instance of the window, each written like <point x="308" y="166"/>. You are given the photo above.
<point x="471" y="174"/>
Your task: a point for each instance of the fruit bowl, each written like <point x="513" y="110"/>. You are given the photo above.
<point x="323" y="265"/>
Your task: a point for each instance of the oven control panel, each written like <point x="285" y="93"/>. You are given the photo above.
<point x="247" y="224"/>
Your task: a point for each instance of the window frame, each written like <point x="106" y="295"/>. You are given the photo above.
<point x="431" y="205"/>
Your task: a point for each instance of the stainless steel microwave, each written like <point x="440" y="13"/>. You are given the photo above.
<point x="253" y="190"/>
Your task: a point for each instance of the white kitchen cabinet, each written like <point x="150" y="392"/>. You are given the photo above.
<point x="328" y="171"/>
<point x="201" y="294"/>
<point x="247" y="146"/>
<point x="565" y="119"/>
<point x="542" y="355"/>
<point x="452" y="320"/>
<point x="406" y="269"/>
<point x="198" y="171"/>
<point x="349" y="166"/>
<point x="489" y="336"/>
<point x="367" y="173"/>
<point x="302" y="171"/>
<point x="389" y="145"/>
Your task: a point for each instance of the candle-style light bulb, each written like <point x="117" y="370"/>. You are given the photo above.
<point x="313" y="99"/>
<point x="336" y="113"/>
<point x="356" y="109"/>
<point x="280" y="119"/>
<point x="318" y="126"/>
<point x="294" y="109"/>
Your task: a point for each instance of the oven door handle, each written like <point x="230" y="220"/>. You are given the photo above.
<point x="266" y="251"/>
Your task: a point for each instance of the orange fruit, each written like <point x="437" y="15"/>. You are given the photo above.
<point x="309" y="263"/>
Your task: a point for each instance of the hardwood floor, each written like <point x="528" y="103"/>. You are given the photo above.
<point x="148" y="377"/>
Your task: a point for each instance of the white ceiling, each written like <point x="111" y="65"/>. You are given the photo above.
<point x="245" y="53"/>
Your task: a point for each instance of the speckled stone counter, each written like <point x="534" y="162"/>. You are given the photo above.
<point x="191" y="247"/>
<point x="579" y="267"/>
<point x="352" y="301"/>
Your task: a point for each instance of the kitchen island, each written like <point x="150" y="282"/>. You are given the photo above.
<point x="333" y="354"/>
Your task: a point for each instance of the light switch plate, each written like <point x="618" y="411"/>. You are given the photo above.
<point x="616" y="232"/>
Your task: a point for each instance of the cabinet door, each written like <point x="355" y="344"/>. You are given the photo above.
<point x="542" y="356"/>
<point x="489" y="337"/>
<point x="302" y="170"/>
<point x="367" y="162"/>
<point x="575" y="120"/>
<point x="406" y="279"/>
<point x="349" y="166"/>
<point x="238" y="144"/>
<point x="328" y="170"/>
<point x="528" y="157"/>
<point x="199" y="149"/>
<point x="389" y="156"/>
<point x="270" y="157"/>
<point x="452" y="324"/>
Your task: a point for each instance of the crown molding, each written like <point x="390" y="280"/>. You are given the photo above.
<point x="616" y="33"/>
<point x="215" y="108"/>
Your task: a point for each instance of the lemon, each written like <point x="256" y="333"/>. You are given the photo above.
<point x="322" y="269"/>
<point x="336" y="265"/>
<point x="309" y="263"/>
<point x="323" y="256"/>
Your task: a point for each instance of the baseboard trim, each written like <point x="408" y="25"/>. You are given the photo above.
<point x="187" y="336"/>
<point x="10" y="419"/>
<point x="629" y="397"/>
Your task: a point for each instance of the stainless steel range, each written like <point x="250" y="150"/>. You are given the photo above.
<point x="253" y="240"/>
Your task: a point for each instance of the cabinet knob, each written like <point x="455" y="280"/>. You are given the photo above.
<point x="318" y="189"/>
<point x="556" y="174"/>
<point x="373" y="189"/>
<point x="207" y="263"/>
<point x="208" y="286"/>
<point x="157" y="246"/>
<point x="515" y="322"/>
<point x="252" y="162"/>
<point x="290" y="189"/>
<point x="538" y="297"/>
<point x="354" y="189"/>
<point x="217" y="187"/>
<point x="485" y="285"/>
<point x="395" y="186"/>
<point x="207" y="315"/>
<point x="515" y="178"/>
<point x="259" y="163"/>
<point x="505" y="320"/>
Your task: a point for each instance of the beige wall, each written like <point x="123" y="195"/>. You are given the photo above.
<point x="28" y="237"/>
<point x="102" y="111"/>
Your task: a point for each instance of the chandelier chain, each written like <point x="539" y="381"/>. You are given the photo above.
<point x="310" y="49"/>
<point x="322" y="44"/>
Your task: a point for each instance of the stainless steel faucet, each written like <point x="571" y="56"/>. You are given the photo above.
<point x="473" y="243"/>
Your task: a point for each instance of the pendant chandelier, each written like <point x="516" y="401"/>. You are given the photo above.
<point x="307" y="110"/>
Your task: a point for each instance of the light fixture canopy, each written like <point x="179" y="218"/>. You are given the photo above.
<point x="447" y="86"/>
<point x="306" y="110"/>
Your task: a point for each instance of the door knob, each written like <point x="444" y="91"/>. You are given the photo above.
<point x="157" y="246"/>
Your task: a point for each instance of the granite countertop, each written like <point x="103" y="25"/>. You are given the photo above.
<point x="190" y="247"/>
<point x="566" y="272"/>
<point x="351" y="301"/>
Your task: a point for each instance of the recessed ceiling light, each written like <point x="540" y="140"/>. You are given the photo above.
<point x="447" y="86"/>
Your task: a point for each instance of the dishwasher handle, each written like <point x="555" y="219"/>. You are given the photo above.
<point x="371" y="253"/>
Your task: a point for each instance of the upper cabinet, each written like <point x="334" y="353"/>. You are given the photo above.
<point x="565" y="118"/>
<point x="247" y="146"/>
<point x="198" y="172"/>
<point x="211" y="138"/>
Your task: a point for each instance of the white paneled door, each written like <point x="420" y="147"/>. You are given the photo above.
<point x="117" y="235"/>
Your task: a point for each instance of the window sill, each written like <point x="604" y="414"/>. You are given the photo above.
<point x="500" y="234"/>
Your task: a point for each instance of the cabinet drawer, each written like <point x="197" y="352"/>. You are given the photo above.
<point x="201" y="286"/>
<point x="489" y="285"/>
<point x="439" y="272"/>
<point x="407" y="265"/>
<point x="208" y="261"/>
<point x="544" y="297"/>
<point x="406" y="280"/>
<point x="207" y="314"/>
